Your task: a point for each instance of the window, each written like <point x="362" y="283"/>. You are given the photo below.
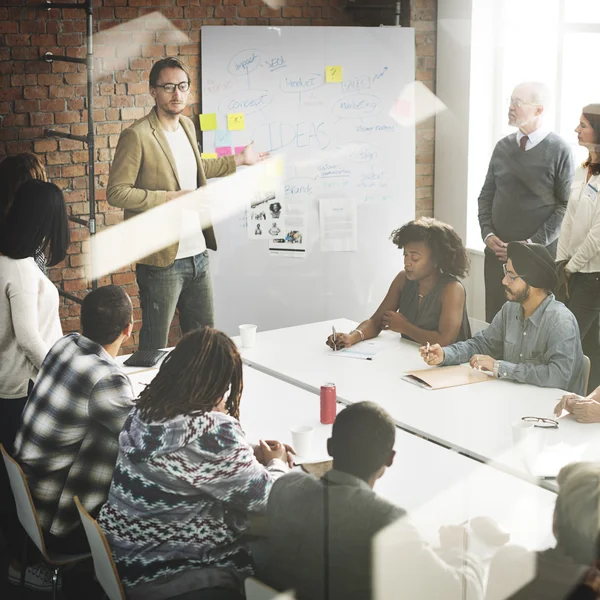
<point x="553" y="41"/>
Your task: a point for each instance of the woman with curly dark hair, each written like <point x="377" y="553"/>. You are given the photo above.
<point x="426" y="302"/>
<point x="186" y="478"/>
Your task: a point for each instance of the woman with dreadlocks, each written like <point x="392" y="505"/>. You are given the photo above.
<point x="186" y="478"/>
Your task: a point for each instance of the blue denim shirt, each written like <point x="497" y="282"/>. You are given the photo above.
<point x="543" y="350"/>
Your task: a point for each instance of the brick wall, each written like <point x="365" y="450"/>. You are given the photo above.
<point x="35" y="95"/>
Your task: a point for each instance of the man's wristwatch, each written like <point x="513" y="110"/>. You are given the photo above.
<point x="496" y="368"/>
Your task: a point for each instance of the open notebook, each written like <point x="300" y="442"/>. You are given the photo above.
<point x="437" y="378"/>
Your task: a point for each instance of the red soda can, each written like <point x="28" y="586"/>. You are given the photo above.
<point x="328" y="399"/>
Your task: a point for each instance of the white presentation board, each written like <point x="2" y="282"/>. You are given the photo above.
<point x="339" y="147"/>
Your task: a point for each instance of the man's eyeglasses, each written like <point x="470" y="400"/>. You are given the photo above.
<point x="184" y="86"/>
<point x="541" y="422"/>
<point x="517" y="102"/>
<point x="507" y="274"/>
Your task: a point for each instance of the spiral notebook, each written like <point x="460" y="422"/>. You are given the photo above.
<point x="438" y="378"/>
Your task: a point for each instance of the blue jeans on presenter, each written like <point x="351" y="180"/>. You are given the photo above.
<point x="184" y="285"/>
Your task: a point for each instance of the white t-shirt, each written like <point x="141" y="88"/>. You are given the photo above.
<point x="191" y="238"/>
<point x="29" y="323"/>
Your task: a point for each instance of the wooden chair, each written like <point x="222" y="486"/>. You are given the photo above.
<point x="104" y="565"/>
<point x="29" y="520"/>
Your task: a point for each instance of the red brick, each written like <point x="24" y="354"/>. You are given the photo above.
<point x="49" y="79"/>
<point x="73" y="171"/>
<point x="80" y="156"/>
<point x="75" y="103"/>
<point x="123" y="278"/>
<point x="18" y="147"/>
<point x="9" y="134"/>
<point x="11" y="94"/>
<point x="137" y="88"/>
<point x="154" y="50"/>
<point x="76" y="78"/>
<point x="58" y="158"/>
<point x="42" y="118"/>
<point x="67" y="116"/>
<point x="37" y="26"/>
<point x="35" y="66"/>
<point x="140" y="64"/>
<point x="17" y="40"/>
<point x="16" y="120"/>
<point x="121" y="101"/>
<point x="69" y="39"/>
<point x="72" y="286"/>
<point x="27" y="105"/>
<point x="60" y="91"/>
<point x="249" y="11"/>
<point x="45" y="145"/>
<point x="8" y="27"/>
<point x="108" y="128"/>
<point x="128" y="77"/>
<point x="30" y="133"/>
<point x="65" y="145"/>
<point x="35" y="91"/>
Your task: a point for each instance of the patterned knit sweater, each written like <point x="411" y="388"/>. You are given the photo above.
<point x="180" y="497"/>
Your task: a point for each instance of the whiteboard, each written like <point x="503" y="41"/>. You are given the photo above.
<point x="336" y="140"/>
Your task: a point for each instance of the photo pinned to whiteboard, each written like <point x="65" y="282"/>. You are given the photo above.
<point x="266" y="215"/>
<point x="338" y="219"/>
<point x="291" y="243"/>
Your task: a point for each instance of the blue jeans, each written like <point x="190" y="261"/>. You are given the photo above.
<point x="184" y="285"/>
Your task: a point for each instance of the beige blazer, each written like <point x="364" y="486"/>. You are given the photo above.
<point x="144" y="170"/>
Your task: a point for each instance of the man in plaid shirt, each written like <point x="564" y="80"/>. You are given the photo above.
<point x="68" y="442"/>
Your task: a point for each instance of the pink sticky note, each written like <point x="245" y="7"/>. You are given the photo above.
<point x="239" y="149"/>
<point x="223" y="151"/>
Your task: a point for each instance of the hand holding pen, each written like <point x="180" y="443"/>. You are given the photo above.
<point x="338" y="341"/>
<point x="432" y="355"/>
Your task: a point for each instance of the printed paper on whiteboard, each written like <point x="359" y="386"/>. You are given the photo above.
<point x="292" y="241"/>
<point x="338" y="219"/>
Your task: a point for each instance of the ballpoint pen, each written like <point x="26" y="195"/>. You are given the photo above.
<point x="334" y="338"/>
<point x="427" y="351"/>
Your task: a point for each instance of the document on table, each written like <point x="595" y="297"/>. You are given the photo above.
<point x="437" y="378"/>
<point x="339" y="224"/>
<point x="365" y="350"/>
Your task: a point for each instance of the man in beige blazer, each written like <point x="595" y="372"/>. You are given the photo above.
<point x="156" y="160"/>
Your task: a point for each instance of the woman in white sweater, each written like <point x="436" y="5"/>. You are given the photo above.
<point x="579" y="241"/>
<point x="29" y="321"/>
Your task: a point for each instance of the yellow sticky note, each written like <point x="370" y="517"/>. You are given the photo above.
<point x="235" y="121"/>
<point x="334" y="74"/>
<point x="209" y="155"/>
<point x="208" y="122"/>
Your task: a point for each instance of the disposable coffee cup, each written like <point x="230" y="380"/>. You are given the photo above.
<point x="521" y="431"/>
<point x="302" y="440"/>
<point x="248" y="335"/>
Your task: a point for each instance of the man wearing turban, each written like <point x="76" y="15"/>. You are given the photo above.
<point x="534" y="338"/>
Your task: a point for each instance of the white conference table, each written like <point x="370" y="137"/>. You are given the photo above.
<point x="474" y="419"/>
<point x="435" y="485"/>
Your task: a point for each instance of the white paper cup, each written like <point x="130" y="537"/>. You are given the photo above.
<point x="248" y="335"/>
<point x="521" y="431"/>
<point x="302" y="440"/>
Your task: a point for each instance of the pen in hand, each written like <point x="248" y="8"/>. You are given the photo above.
<point x="427" y="351"/>
<point x="334" y="338"/>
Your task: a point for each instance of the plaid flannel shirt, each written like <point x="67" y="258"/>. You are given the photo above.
<point x="68" y="440"/>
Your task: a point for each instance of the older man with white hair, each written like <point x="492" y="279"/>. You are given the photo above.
<point x="526" y="190"/>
